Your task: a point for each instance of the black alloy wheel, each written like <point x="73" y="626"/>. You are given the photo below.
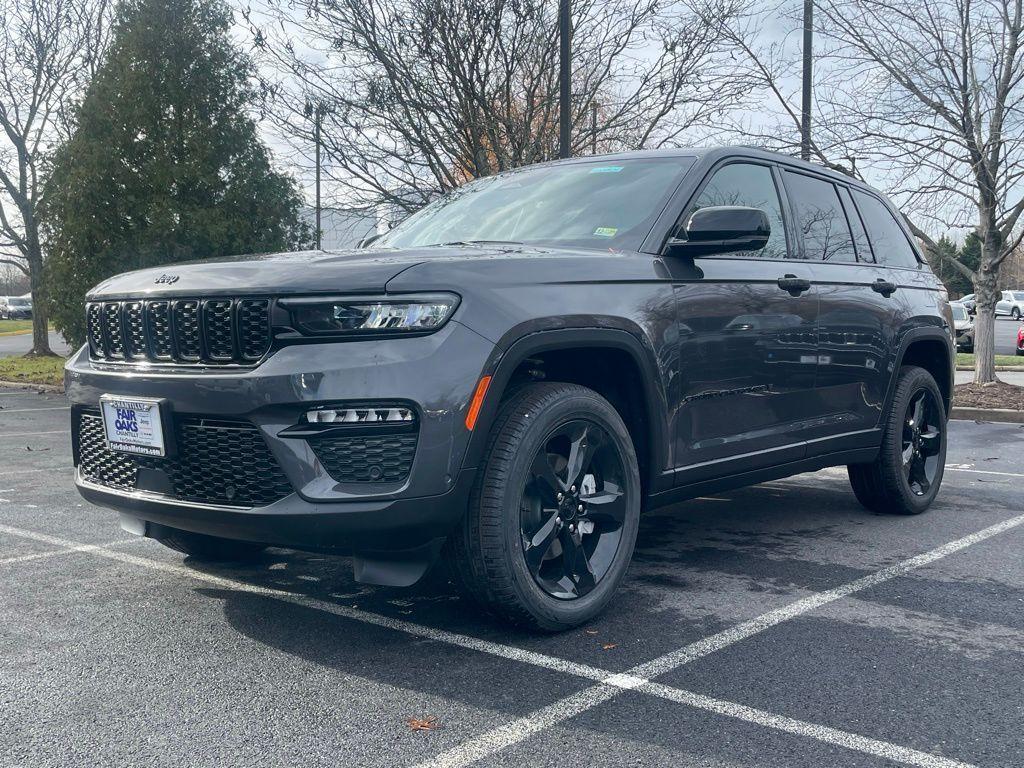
<point x="554" y="511"/>
<point x="922" y="441"/>
<point x="905" y="476"/>
<point x="572" y="509"/>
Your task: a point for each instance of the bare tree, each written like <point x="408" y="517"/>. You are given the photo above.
<point x="928" y="96"/>
<point x="417" y="96"/>
<point x="47" y="49"/>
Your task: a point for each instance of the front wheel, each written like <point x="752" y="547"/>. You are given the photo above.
<point x="1015" y="313"/>
<point x="906" y="476"/>
<point x="554" y="512"/>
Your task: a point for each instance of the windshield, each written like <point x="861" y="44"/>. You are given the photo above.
<point x="601" y="204"/>
<point x="18" y="302"/>
<point x="959" y="313"/>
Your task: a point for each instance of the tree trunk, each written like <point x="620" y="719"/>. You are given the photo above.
<point x="40" y="310"/>
<point x="984" y="326"/>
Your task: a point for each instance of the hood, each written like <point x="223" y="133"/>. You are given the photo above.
<point x="357" y="271"/>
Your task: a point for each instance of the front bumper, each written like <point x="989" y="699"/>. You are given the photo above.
<point x="435" y="373"/>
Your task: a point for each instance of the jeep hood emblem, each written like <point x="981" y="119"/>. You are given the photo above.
<point x="166" y="280"/>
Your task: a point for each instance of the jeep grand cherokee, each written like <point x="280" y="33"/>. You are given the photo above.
<point x="507" y="378"/>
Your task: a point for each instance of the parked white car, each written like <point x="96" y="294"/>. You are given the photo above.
<point x="1011" y="305"/>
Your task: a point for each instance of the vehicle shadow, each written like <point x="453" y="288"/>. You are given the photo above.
<point x="699" y="567"/>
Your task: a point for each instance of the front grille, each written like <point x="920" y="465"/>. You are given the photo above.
<point x="385" y="458"/>
<point x="184" y="331"/>
<point x="216" y="462"/>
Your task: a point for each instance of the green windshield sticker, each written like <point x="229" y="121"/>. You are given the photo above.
<point x="605" y="232"/>
<point x="606" y="169"/>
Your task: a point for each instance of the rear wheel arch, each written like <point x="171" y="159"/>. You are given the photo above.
<point x="612" y="362"/>
<point x="929" y="349"/>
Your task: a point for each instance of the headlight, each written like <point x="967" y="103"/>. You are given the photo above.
<point x="359" y="316"/>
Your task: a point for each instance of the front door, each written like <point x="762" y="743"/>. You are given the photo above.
<point x="748" y="341"/>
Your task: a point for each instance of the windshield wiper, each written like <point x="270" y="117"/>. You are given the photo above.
<point x="473" y="242"/>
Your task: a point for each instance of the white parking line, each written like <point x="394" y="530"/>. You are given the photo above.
<point x="34" y="434"/>
<point x="824" y="733"/>
<point x="954" y="468"/>
<point x="65" y="551"/>
<point x="609" y="684"/>
<point x="515" y="732"/>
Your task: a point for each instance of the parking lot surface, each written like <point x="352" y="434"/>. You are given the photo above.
<point x="779" y="625"/>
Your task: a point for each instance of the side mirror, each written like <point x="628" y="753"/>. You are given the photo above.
<point x="721" y="229"/>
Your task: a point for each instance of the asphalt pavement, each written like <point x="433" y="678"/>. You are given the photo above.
<point x="780" y="625"/>
<point x="20" y="343"/>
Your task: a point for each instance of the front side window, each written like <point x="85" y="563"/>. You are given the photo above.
<point x="1018" y="295"/>
<point x="888" y="241"/>
<point x="820" y="218"/>
<point x="602" y="204"/>
<point x="753" y="186"/>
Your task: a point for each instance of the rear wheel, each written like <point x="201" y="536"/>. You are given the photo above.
<point x="1015" y="313"/>
<point x="553" y="516"/>
<point x="208" y="548"/>
<point x="906" y="476"/>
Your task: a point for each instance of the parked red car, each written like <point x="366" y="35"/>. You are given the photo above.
<point x="1020" y="340"/>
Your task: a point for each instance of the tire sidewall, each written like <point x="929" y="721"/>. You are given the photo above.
<point x="552" y="612"/>
<point x="917" y="379"/>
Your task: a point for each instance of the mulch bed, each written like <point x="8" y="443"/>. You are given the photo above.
<point x="996" y="395"/>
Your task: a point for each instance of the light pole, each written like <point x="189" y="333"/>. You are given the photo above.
<point x="805" y="112"/>
<point x="564" y="75"/>
<point x="317" y="116"/>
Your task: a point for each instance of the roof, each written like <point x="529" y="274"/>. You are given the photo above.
<point x="713" y="154"/>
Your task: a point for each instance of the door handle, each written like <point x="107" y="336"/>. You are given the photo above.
<point x="884" y="287"/>
<point x="794" y="285"/>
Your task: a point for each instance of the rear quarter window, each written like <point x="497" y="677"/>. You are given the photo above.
<point x="889" y="243"/>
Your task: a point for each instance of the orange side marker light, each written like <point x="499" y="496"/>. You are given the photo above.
<point x="477" y="402"/>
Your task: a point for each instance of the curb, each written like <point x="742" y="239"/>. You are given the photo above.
<point x="999" y="368"/>
<point x="29" y="385"/>
<point x="26" y="332"/>
<point x="1002" y="415"/>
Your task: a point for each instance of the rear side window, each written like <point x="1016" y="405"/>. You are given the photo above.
<point x="888" y="241"/>
<point x="750" y="185"/>
<point x="820" y="218"/>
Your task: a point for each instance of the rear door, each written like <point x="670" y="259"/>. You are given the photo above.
<point x="861" y="306"/>
<point x="748" y="345"/>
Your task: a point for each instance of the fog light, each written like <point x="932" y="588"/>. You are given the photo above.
<point x="372" y="415"/>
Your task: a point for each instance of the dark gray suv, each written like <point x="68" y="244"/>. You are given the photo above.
<point x="505" y="380"/>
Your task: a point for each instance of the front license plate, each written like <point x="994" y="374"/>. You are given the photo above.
<point x="133" y="425"/>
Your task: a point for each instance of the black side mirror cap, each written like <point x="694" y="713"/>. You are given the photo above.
<point x="721" y="229"/>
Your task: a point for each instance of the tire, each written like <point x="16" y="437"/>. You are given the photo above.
<point x="210" y="549"/>
<point x="1015" y="313"/>
<point x="888" y="485"/>
<point x="517" y="551"/>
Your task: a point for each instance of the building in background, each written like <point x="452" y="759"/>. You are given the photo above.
<point x="341" y="228"/>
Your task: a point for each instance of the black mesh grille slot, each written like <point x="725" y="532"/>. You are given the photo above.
<point x="158" y="323"/>
<point x="217" y="331"/>
<point x="112" y="329"/>
<point x="385" y="458"/>
<point x="217" y="462"/>
<point x="220" y="329"/>
<point x="94" y="325"/>
<point x="135" y="330"/>
<point x="254" y="328"/>
<point x="186" y="330"/>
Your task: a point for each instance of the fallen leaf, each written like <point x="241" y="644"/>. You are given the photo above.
<point x="609" y="646"/>
<point x="423" y="724"/>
